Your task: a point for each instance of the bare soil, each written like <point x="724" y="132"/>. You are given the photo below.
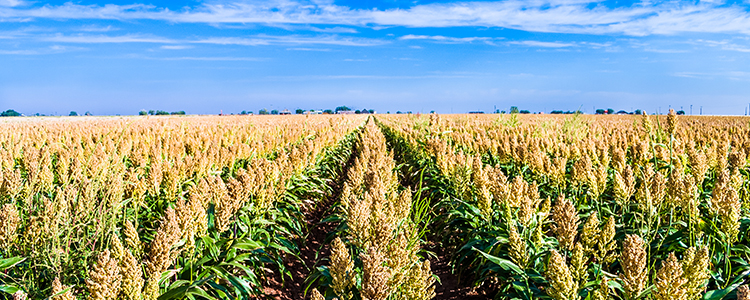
<point x="450" y="287"/>
<point x="314" y="249"/>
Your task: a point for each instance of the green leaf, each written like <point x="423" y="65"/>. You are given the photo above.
<point x="9" y="289"/>
<point x="503" y="263"/>
<point x="8" y="263"/>
<point x="719" y="294"/>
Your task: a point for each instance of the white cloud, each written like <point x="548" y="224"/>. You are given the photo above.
<point x="19" y="52"/>
<point x="732" y="75"/>
<point x="95" y="28"/>
<point x="211" y="58"/>
<point x="543" y="44"/>
<point x="175" y="47"/>
<point x="561" y="16"/>
<point x="334" y="30"/>
<point x="41" y="51"/>
<point x="290" y="40"/>
<point x="12" y="3"/>
<point x="100" y="39"/>
<point x="445" y="39"/>
<point x="309" y="49"/>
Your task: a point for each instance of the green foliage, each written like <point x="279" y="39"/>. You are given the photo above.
<point x="10" y="113"/>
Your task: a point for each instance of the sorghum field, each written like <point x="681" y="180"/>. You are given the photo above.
<point x="380" y="207"/>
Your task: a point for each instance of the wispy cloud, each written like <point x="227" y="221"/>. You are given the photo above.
<point x="95" y="28"/>
<point x="445" y="39"/>
<point x="210" y="58"/>
<point x="663" y="18"/>
<point x="291" y="40"/>
<point x="175" y="47"/>
<point x="309" y="49"/>
<point x="732" y="75"/>
<point x="103" y="39"/>
<point x="542" y="44"/>
<point x="12" y="3"/>
<point x="54" y="49"/>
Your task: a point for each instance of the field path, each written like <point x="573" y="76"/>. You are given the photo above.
<point x="315" y="245"/>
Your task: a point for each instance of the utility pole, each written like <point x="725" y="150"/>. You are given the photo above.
<point x="691" y="109"/>
<point x="701" y="110"/>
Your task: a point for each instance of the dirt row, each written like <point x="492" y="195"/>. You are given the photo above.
<point x="316" y="248"/>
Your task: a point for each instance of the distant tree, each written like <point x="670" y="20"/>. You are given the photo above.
<point x="371" y="111"/>
<point x="357" y="112"/>
<point x="299" y="111"/>
<point x="681" y="112"/>
<point x="10" y="113"/>
<point x="638" y="111"/>
<point x="524" y="111"/>
<point x="514" y="109"/>
<point x="275" y="112"/>
<point x="73" y="114"/>
<point x="88" y="114"/>
<point x="342" y="108"/>
<point x="142" y="113"/>
<point x="432" y="111"/>
<point x="263" y="112"/>
<point x="328" y="112"/>
<point x="151" y="112"/>
<point x="243" y="113"/>
<point x="610" y="111"/>
<point x="622" y="112"/>
<point x="161" y="113"/>
<point x="398" y="112"/>
<point x="556" y="112"/>
<point x="600" y="111"/>
<point x="182" y="112"/>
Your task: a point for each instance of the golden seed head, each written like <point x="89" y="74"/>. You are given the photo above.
<point x="669" y="281"/>
<point x="696" y="266"/>
<point x="105" y="278"/>
<point x="579" y="263"/>
<point x="591" y="232"/>
<point x="9" y="220"/>
<point x="607" y="243"/>
<point x="566" y="222"/>
<point x="561" y="283"/>
<point x="602" y="293"/>
<point x="743" y="292"/>
<point x="518" y="252"/>
<point x="58" y="288"/>
<point x="341" y="269"/>
<point x="132" y="277"/>
<point x="671" y="122"/>
<point x="160" y="252"/>
<point x="633" y="261"/>
<point x="646" y="122"/>
<point x="375" y="276"/>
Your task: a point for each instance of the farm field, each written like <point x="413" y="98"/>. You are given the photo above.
<point x="375" y="207"/>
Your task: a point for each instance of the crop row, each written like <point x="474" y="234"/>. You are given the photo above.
<point x="194" y="207"/>
<point x="577" y="207"/>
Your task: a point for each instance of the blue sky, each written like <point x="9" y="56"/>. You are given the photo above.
<point x="121" y="56"/>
